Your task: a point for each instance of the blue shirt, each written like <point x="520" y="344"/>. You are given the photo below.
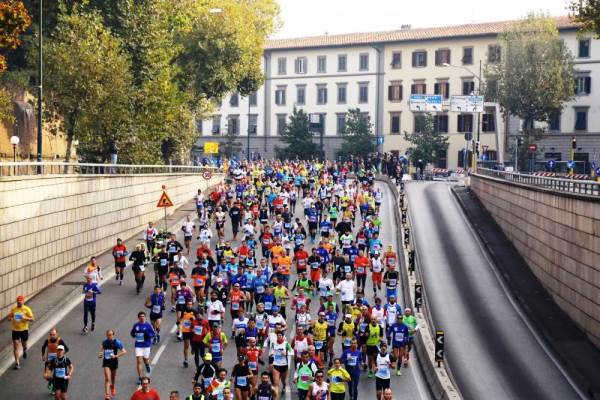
<point x="143" y="334"/>
<point x="90" y="290"/>
<point x="352" y="360"/>
<point x="400" y="334"/>
<point x="326" y="226"/>
<point x="157" y="302"/>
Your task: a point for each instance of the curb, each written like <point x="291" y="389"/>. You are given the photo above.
<point x="438" y="379"/>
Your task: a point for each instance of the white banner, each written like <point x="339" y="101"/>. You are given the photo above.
<point x="425" y="103"/>
<point x="472" y="104"/>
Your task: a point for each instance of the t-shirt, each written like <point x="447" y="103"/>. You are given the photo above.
<point x="17" y="323"/>
<point x="337" y="379"/>
<point x="346" y="288"/>
<point x="383" y="367"/>
<point x="152" y="394"/>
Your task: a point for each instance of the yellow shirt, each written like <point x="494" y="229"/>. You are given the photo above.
<point x="338" y="378"/>
<point x="320" y="330"/>
<point x="17" y="314"/>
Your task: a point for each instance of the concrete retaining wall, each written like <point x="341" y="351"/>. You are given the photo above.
<point x="53" y="224"/>
<point x="558" y="235"/>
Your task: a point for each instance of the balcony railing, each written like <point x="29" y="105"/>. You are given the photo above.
<point x="62" y="168"/>
<point x="589" y="188"/>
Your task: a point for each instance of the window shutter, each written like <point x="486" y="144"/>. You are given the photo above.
<point x="424" y="59"/>
<point x="400" y="92"/>
<point x="438" y="57"/>
<point x="459" y="126"/>
<point x="390" y="93"/>
<point x="414" y="59"/>
<point x="436" y="87"/>
<point x="412" y="88"/>
<point x="588" y="84"/>
<point x="447" y="90"/>
<point x="424" y="86"/>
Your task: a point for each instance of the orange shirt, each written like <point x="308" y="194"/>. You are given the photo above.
<point x="277" y="252"/>
<point x="361" y="264"/>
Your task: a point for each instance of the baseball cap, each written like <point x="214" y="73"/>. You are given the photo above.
<point x="20" y="298"/>
<point x="348" y="316"/>
<point x="60" y="347"/>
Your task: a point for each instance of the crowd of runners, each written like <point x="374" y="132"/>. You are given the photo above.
<point x="305" y="242"/>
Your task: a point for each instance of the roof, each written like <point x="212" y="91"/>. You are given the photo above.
<point x="402" y="35"/>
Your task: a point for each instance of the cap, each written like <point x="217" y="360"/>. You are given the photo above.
<point x="241" y="357"/>
<point x="275" y="308"/>
<point x="321" y="314"/>
<point x="60" y="347"/>
<point x="348" y="316"/>
<point x="208" y="357"/>
<point x="251" y="339"/>
<point x="20" y="298"/>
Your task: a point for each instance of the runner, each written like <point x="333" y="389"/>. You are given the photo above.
<point x="49" y="351"/>
<point x="265" y="390"/>
<point x="399" y="333"/>
<point x="304" y="375"/>
<point x="90" y="290"/>
<point x="150" y="237"/>
<point x="20" y="316"/>
<point x="60" y="371"/>
<point x="139" y="259"/>
<point x="188" y="229"/>
<point x="279" y="353"/>
<point x="187" y="319"/>
<point x="384" y="365"/>
<point x="119" y="253"/>
<point x="216" y="342"/>
<point x="110" y="351"/>
<point x="156" y="303"/>
<point x="241" y="375"/>
<point x="353" y="358"/>
<point x="410" y="321"/>
<point x="143" y="333"/>
<point x="319" y="389"/>
<point x="145" y="392"/>
<point x="339" y="376"/>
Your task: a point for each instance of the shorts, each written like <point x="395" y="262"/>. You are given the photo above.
<point x="187" y="238"/>
<point x="120" y="264"/>
<point x="391" y="292"/>
<point x="61" y="385"/>
<point x="155" y="317"/>
<point x="381" y="384"/>
<point x="377" y="277"/>
<point x="312" y="226"/>
<point x="187" y="335"/>
<point x="371" y="350"/>
<point x="315" y="275"/>
<point x="280" y="368"/>
<point x="325" y="234"/>
<point x="142" y="352"/>
<point x="111" y="364"/>
<point x="23" y="336"/>
<point x="180" y="307"/>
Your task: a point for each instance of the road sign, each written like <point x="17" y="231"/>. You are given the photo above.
<point x="164" y="201"/>
<point x="211" y="148"/>
<point x="533" y="147"/>
<point x="425" y="102"/>
<point x="439" y="346"/>
<point x="570" y="164"/>
<point x="206" y="174"/>
<point x="466" y="104"/>
<point x="468" y="136"/>
<point x="418" y="296"/>
<point x="379" y="139"/>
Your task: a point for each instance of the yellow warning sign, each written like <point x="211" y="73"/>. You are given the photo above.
<point x="164" y="201"/>
<point x="211" y="148"/>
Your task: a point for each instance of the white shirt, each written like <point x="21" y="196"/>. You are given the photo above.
<point x="200" y="199"/>
<point x="182" y="262"/>
<point x="205" y="235"/>
<point x="383" y="366"/>
<point x="188" y="228"/>
<point x="325" y="284"/>
<point x="377" y="265"/>
<point x="346" y="287"/>
<point x="215" y="308"/>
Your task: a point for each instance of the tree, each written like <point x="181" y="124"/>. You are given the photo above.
<point x="535" y="74"/>
<point x="357" y="136"/>
<point x="230" y="147"/>
<point x="299" y="138"/>
<point x="427" y="143"/>
<point x="587" y="13"/>
<point x="87" y="84"/>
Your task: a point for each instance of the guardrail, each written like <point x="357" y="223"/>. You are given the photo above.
<point x="62" y="168"/>
<point x="589" y="188"/>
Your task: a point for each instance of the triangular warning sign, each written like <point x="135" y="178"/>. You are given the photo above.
<point x="164" y="201"/>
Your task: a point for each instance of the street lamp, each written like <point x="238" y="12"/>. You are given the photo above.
<point x="14" y="140"/>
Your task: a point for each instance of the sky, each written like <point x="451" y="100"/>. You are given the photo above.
<point x="319" y="17"/>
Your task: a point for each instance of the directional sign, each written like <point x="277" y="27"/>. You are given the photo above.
<point x="418" y="295"/>
<point x="425" y="102"/>
<point x="471" y="104"/>
<point x="379" y="139"/>
<point x="439" y="346"/>
<point x="164" y="201"/>
<point x="211" y="148"/>
<point x="411" y="262"/>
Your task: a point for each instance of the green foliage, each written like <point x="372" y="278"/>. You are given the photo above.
<point x="535" y="75"/>
<point x="587" y="13"/>
<point x="358" y="139"/>
<point x="299" y="138"/>
<point x="426" y="144"/>
<point x="230" y="147"/>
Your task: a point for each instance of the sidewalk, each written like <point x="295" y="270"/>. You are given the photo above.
<point x="58" y="297"/>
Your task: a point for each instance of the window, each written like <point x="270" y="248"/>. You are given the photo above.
<point x="363" y="63"/>
<point x="461" y="158"/>
<point x="322" y="64"/>
<point x="583" y="85"/>
<point x="396" y="60"/>
<point x="363" y="93"/>
<point x="216" y="125"/>
<point x="342" y="63"/>
<point x="584" y="48"/>
<point x="553" y="156"/>
<point x="554" y="123"/>
<point x="418" y="88"/>
<point x="233" y="125"/>
<point x="341" y="93"/>
<point x="442" y="159"/>
<point x="419" y="122"/>
<point x="395" y="91"/>
<point x="300" y="65"/>
<point x="442" y="56"/>
<point x="494" y="53"/>
<point x="467" y="58"/>
<point x="468" y="88"/>
<point x="199" y="126"/>
<point x="395" y="123"/>
<point x="442" y="88"/>
<point x="581" y="117"/>
<point x="252" y="124"/>
<point x="252" y="99"/>
<point x="419" y="59"/>
<point x="440" y="123"/>
<point x="321" y="94"/>
<point x="280" y="95"/>
<point x="583" y="164"/>
<point x="341" y="123"/>
<point x="300" y="95"/>
<point x="234" y="100"/>
<point x="488" y="120"/>
<point x="465" y="123"/>
<point x="281" y="66"/>
<point x="281" y="123"/>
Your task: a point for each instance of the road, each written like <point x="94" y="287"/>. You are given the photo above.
<point x="117" y="309"/>
<point x="491" y="349"/>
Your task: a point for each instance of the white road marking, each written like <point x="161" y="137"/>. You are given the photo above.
<point x="163" y="346"/>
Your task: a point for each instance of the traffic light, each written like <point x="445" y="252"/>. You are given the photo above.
<point x="573" y="143"/>
<point x="519" y="141"/>
<point x="477" y="148"/>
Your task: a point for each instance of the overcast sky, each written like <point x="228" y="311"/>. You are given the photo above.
<point x="317" y="17"/>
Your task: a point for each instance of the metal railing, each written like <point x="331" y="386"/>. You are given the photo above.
<point x="62" y="168"/>
<point x="589" y="188"/>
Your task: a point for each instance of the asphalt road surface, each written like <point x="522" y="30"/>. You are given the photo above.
<point x="490" y="348"/>
<point x="117" y="309"/>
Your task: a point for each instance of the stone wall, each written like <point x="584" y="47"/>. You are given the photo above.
<point x="558" y="235"/>
<point x="51" y="225"/>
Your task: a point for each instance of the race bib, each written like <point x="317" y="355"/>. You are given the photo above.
<point x="235" y="306"/>
<point x="242" y="381"/>
<point x="347" y="342"/>
<point x="215" y="348"/>
<point x="198" y="330"/>
<point x="305" y="377"/>
<point x="51" y="356"/>
<point x="139" y="337"/>
<point x="280" y="359"/>
<point x="156" y="309"/>
<point x="260" y="324"/>
<point x="360" y="270"/>
<point x="252" y="365"/>
<point x="108" y="354"/>
<point x="347" y="268"/>
<point x="60" y="372"/>
<point x="260" y="289"/>
<point x="352" y="361"/>
<point x="399" y="336"/>
<point x="180" y="300"/>
<point x="268" y="305"/>
<point x="163" y="262"/>
<point x="18" y="317"/>
<point x="187" y="324"/>
<point x="318" y="344"/>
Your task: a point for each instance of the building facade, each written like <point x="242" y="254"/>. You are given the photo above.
<point x="377" y="72"/>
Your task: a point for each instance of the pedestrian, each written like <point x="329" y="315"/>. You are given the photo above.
<point x="145" y="392"/>
<point x="110" y="352"/>
<point x="49" y="351"/>
<point x="119" y="253"/>
<point x="60" y="371"/>
<point x="20" y="316"/>
<point x="143" y="333"/>
<point x="90" y="290"/>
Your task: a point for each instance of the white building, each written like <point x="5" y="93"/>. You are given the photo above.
<point x="377" y="72"/>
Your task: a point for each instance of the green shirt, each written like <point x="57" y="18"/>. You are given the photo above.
<point x="374" y="335"/>
<point x="411" y="322"/>
<point x="305" y="375"/>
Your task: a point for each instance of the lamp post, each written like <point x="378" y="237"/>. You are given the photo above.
<point x="14" y="140"/>
<point x="248" y="134"/>
<point x="40" y="91"/>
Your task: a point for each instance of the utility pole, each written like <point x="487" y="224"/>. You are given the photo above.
<point x="40" y="92"/>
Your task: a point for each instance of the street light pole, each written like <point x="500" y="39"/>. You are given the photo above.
<point x="40" y="91"/>
<point x="248" y="138"/>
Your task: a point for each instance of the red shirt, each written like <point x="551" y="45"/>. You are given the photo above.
<point x="152" y="394"/>
<point x="119" y="253"/>
<point x="301" y="256"/>
<point x="360" y="265"/>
